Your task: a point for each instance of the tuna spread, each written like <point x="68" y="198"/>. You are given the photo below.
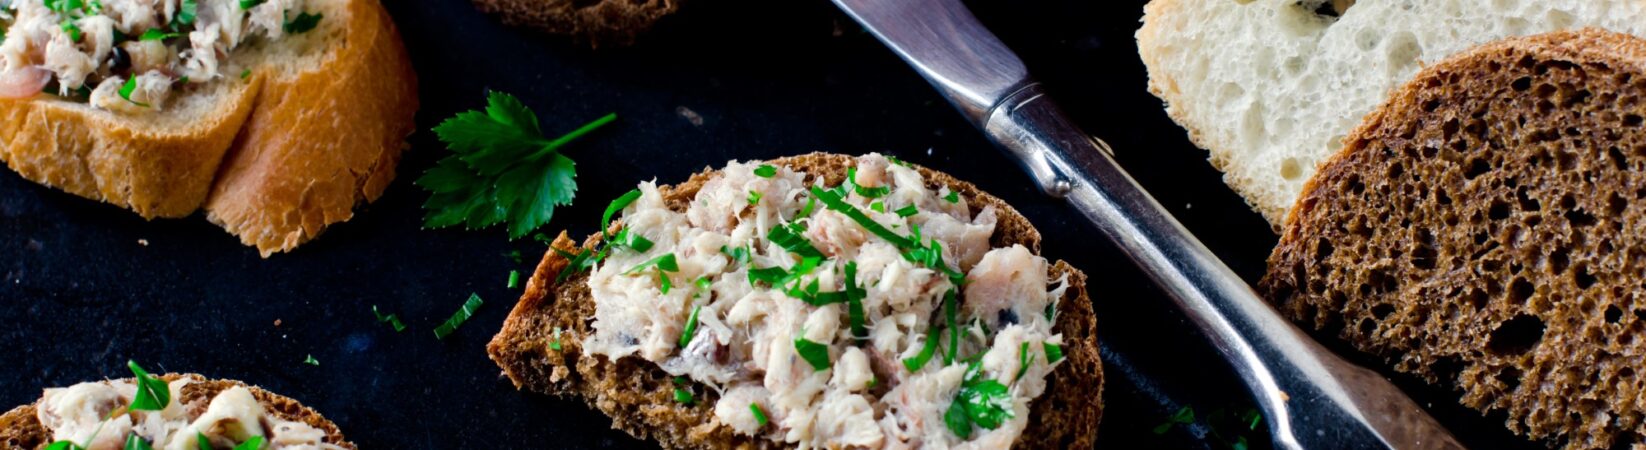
<point x="874" y="314"/>
<point x="131" y="55"/>
<point x="95" y="416"/>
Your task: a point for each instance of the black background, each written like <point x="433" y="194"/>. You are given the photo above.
<point x="768" y="78"/>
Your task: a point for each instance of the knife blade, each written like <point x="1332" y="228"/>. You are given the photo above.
<point x="1312" y="397"/>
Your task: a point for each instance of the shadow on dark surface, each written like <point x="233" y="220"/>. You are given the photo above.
<point x="89" y="285"/>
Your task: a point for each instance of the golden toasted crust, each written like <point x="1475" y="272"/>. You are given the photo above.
<point x="599" y="22"/>
<point x="101" y="155"/>
<point x="280" y="154"/>
<point x="1483" y="230"/>
<point x="20" y="428"/>
<point x="638" y="396"/>
<point x="320" y="141"/>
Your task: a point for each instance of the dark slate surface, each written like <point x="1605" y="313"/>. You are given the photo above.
<point x="82" y="293"/>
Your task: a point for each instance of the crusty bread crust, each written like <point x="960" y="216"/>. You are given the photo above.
<point x="616" y="22"/>
<point x="1483" y="230"/>
<point x="320" y="141"/>
<point x="638" y="396"/>
<point x="20" y="429"/>
<point x="278" y="157"/>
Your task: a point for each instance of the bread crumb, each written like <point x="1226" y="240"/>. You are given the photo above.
<point x="691" y="116"/>
<point x="277" y="322"/>
<point x="143" y="242"/>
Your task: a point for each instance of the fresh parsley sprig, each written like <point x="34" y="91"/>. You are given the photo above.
<point x="502" y="169"/>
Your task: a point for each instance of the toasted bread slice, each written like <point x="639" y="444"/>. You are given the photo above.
<point x="616" y="22"/>
<point x="1271" y="87"/>
<point x="638" y="396"/>
<point x="315" y="128"/>
<point x="20" y="428"/>
<point x="1486" y="230"/>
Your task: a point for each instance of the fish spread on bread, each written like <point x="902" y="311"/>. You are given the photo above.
<point x="872" y="314"/>
<point x="80" y="414"/>
<point x="130" y="55"/>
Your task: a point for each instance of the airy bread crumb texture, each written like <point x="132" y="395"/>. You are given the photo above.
<point x="1486" y="230"/>
<point x="1271" y="87"/>
<point x="638" y="396"/>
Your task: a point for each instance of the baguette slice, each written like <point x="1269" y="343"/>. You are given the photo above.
<point x="274" y="157"/>
<point x="20" y="429"/>
<point x="1271" y="87"/>
<point x="616" y="22"/>
<point x="1486" y="230"/>
<point x="638" y="396"/>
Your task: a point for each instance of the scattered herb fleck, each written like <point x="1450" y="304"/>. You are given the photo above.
<point x="457" y="319"/>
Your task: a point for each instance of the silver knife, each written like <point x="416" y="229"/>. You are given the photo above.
<point x="1312" y="398"/>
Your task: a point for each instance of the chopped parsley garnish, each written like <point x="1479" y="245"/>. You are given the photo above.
<point x="986" y="403"/>
<point x="953" y="197"/>
<point x="501" y="169"/>
<point x="866" y="192"/>
<point x="738" y="254"/>
<point x="302" y="23"/>
<point x="920" y="359"/>
<point x="854" y="302"/>
<point x="311" y="361"/>
<point x="514" y="279"/>
<point x="1054" y="352"/>
<point x="457" y="319"/>
<point x="833" y="201"/>
<point x="155" y="34"/>
<point x="754" y="197"/>
<point x="765" y="171"/>
<point x="814" y="353"/>
<point x="555" y="344"/>
<point x="788" y="237"/>
<point x="252" y="443"/>
<point x="152" y="393"/>
<point x="1183" y="416"/>
<point x="72" y="29"/>
<point x="907" y="211"/>
<point x="691" y="327"/>
<point x="126" y="90"/>
<point x="683" y="396"/>
<point x="134" y="442"/>
<point x="759" y="414"/>
<point x="392" y="319"/>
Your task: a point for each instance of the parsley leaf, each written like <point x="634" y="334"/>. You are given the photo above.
<point x="986" y="403"/>
<point x="501" y="169"/>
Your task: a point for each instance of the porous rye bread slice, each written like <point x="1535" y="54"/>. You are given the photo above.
<point x="638" y="396"/>
<point x="1270" y="87"/>
<point x="20" y="429"/>
<point x="616" y="22"/>
<point x="1486" y="230"/>
<point x="316" y="128"/>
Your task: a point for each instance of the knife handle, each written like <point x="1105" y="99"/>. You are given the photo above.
<point x="1313" y="398"/>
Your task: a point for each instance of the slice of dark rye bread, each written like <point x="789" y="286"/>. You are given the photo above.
<point x="638" y="396"/>
<point x="20" y="429"/>
<point x="1486" y="230"/>
<point x="615" y="22"/>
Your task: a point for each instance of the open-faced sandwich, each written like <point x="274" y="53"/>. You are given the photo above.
<point x="814" y="301"/>
<point x="276" y="116"/>
<point x="166" y="412"/>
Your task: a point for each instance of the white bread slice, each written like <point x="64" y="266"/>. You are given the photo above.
<point x="316" y="128"/>
<point x="1271" y="87"/>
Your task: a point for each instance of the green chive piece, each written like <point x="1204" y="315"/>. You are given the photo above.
<point x="1054" y="352"/>
<point x="754" y="197"/>
<point x="788" y="237"/>
<point x="311" y="361"/>
<point x="126" y="90"/>
<point x="683" y="396"/>
<point x="555" y="344"/>
<point x="765" y="171"/>
<point x="201" y="442"/>
<point x="691" y="327"/>
<point x="835" y="203"/>
<point x="133" y="442"/>
<point x="392" y="319"/>
<point x="514" y="279"/>
<point x="253" y="443"/>
<point x="854" y="302"/>
<point x="457" y="319"/>
<point x="953" y="197"/>
<point x="759" y="414"/>
<point x="814" y="353"/>
<point x="1024" y="359"/>
<point x="920" y="359"/>
<point x="152" y="392"/>
<point x="907" y="211"/>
